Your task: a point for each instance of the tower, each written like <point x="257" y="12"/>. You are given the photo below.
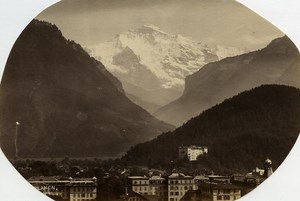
<point x="267" y="168"/>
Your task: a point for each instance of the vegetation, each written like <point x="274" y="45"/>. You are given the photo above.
<point x="240" y="133"/>
<point x="67" y="103"/>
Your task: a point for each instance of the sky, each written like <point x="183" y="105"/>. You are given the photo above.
<point x="213" y="22"/>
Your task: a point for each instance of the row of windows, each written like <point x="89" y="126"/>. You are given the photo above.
<point x="82" y="199"/>
<point x="227" y="191"/>
<point x="156" y="182"/>
<point x="145" y="188"/>
<point x="176" y="193"/>
<point x="83" y="195"/>
<point x="180" y="181"/>
<point x="181" y="188"/>
<point x="140" y="182"/>
<point x="83" y="189"/>
<point x="156" y="188"/>
<point x="140" y="189"/>
<point x="49" y="190"/>
<point x="225" y="197"/>
<point x="152" y="193"/>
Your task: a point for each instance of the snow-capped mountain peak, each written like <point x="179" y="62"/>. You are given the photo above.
<point x="150" y="54"/>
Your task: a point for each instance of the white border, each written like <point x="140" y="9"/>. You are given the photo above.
<point x="282" y="186"/>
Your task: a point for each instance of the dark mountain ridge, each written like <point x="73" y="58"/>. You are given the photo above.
<point x="240" y="133"/>
<point x="278" y="63"/>
<point x="67" y="103"/>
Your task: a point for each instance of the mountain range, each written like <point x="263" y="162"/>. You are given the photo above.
<point x="65" y="102"/>
<point x="278" y="63"/>
<point x="240" y="133"/>
<point x="149" y="61"/>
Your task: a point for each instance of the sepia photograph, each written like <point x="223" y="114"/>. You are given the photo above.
<point x="136" y="100"/>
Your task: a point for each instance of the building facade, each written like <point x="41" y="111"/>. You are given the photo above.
<point x="178" y="185"/>
<point x="151" y="186"/>
<point x="139" y="184"/>
<point x="226" y="192"/>
<point x="83" y="189"/>
<point x="79" y="189"/>
<point x="157" y="186"/>
<point x="219" y="192"/>
<point x="171" y="188"/>
<point x="192" y="152"/>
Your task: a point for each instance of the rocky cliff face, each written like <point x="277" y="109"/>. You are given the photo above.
<point x="216" y="81"/>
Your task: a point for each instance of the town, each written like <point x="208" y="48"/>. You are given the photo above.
<point x="97" y="180"/>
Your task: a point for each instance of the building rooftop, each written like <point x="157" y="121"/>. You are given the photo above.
<point x="138" y="177"/>
<point x="179" y="175"/>
<point x="46" y="179"/>
<point x="156" y="178"/>
<point x="225" y="186"/>
<point x="218" y="186"/>
<point x="61" y="180"/>
<point x="217" y="176"/>
<point x="201" y="177"/>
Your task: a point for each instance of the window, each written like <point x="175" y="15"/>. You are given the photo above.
<point x="226" y="197"/>
<point x="219" y="197"/>
<point x="227" y="191"/>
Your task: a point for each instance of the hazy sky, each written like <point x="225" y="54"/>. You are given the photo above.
<point x="223" y="22"/>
